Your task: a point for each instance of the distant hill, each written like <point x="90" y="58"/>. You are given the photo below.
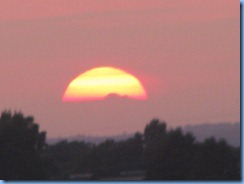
<point x="228" y="131"/>
<point x="92" y="139"/>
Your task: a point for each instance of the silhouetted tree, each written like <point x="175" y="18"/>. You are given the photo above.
<point x="154" y="154"/>
<point x="216" y="160"/>
<point x="67" y="158"/>
<point x="171" y="155"/>
<point x="21" y="144"/>
<point x="103" y="159"/>
<point x="154" y="130"/>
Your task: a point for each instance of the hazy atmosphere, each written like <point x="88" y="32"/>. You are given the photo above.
<point x="186" y="54"/>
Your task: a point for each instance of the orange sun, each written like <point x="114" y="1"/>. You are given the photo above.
<point x="97" y="83"/>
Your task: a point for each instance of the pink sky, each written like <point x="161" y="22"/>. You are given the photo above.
<point x="186" y="53"/>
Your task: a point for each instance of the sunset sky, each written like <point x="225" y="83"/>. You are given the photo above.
<point x="185" y="53"/>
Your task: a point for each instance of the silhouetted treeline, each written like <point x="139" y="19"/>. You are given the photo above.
<point x="156" y="154"/>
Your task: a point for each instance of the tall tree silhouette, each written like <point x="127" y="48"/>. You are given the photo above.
<point x="153" y="156"/>
<point x="20" y="143"/>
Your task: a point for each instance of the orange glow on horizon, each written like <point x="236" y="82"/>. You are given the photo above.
<point x="97" y="83"/>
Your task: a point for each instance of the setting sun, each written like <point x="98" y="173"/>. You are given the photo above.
<point x="97" y="83"/>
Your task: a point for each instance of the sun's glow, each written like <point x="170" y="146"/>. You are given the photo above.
<point x="97" y="83"/>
